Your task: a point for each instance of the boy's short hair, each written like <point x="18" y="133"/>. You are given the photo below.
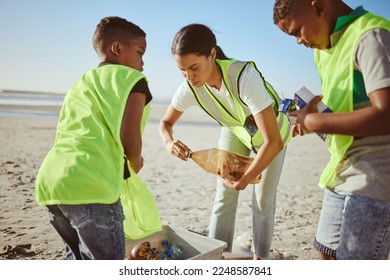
<point x="112" y="29"/>
<point x="285" y="8"/>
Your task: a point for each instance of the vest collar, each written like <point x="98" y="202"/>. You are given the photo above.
<point x="106" y="62"/>
<point x="343" y="22"/>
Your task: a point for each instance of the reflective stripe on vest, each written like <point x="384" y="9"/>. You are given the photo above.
<point x="231" y="73"/>
<point x="336" y="69"/>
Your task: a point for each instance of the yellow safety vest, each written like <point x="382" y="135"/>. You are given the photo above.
<point x="86" y="163"/>
<point x="336" y="69"/>
<point x="248" y="135"/>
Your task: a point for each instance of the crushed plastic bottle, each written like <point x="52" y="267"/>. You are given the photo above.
<point x="226" y="164"/>
<point x="143" y="251"/>
<point x="166" y="252"/>
<point x="242" y="246"/>
<point x="167" y="255"/>
<point x="177" y="251"/>
<point x="164" y="246"/>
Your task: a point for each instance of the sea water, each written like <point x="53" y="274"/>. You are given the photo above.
<point x="48" y="105"/>
<point x="30" y="103"/>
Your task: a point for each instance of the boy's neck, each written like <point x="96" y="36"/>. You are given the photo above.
<point x="108" y="59"/>
<point x="339" y="8"/>
<point x="106" y="62"/>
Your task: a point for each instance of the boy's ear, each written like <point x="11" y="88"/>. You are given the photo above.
<point x="318" y="7"/>
<point x="116" y="48"/>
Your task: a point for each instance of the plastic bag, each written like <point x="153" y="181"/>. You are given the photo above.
<point x="226" y="164"/>
<point x="140" y="210"/>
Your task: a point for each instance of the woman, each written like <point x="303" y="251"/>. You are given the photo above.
<point x="236" y="95"/>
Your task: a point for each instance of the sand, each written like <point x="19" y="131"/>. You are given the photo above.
<point x="183" y="192"/>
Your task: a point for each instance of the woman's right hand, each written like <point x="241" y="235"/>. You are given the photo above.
<point x="174" y="147"/>
<point x="178" y="149"/>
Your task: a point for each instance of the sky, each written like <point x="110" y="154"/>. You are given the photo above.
<point x="46" y="45"/>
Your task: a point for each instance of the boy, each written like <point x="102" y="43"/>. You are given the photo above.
<point x="351" y="50"/>
<point x="99" y="129"/>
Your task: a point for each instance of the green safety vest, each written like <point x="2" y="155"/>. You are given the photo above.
<point x="86" y="163"/>
<point x="238" y="123"/>
<point x="336" y="70"/>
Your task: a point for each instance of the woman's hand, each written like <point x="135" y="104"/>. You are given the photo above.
<point x="174" y="147"/>
<point x="239" y="185"/>
<point x="178" y="149"/>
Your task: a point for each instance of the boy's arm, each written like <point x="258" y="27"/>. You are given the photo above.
<point x="370" y="121"/>
<point x="131" y="129"/>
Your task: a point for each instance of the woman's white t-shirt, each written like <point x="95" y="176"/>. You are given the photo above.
<point x="252" y="93"/>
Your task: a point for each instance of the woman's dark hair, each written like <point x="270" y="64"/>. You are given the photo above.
<point x="198" y="39"/>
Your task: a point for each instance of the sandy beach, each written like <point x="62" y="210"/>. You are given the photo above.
<point x="183" y="192"/>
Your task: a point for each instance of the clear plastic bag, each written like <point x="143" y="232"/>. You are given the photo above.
<point x="226" y="164"/>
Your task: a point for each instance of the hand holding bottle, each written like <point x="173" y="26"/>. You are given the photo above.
<point x="178" y="149"/>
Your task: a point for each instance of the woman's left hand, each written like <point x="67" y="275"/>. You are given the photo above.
<point x="235" y="185"/>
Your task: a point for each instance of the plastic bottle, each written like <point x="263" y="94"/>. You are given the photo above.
<point x="226" y="164"/>
<point x="166" y="255"/>
<point x="162" y="250"/>
<point x="164" y="246"/>
<point x="242" y="245"/>
<point x="177" y="251"/>
<point x="166" y="252"/>
<point x="143" y="251"/>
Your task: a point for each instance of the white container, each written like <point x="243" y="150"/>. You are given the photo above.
<point x="195" y="246"/>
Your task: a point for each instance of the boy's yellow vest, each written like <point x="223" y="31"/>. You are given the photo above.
<point x="86" y="163"/>
<point x="336" y="69"/>
<point x="236" y="122"/>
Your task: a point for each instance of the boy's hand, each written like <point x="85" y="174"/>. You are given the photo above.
<point x="137" y="164"/>
<point x="299" y="127"/>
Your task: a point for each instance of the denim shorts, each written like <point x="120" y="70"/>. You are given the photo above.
<point x="90" y="231"/>
<point x="353" y="227"/>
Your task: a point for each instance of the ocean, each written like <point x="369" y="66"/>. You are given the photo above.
<point x="32" y="104"/>
<point x="48" y="105"/>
